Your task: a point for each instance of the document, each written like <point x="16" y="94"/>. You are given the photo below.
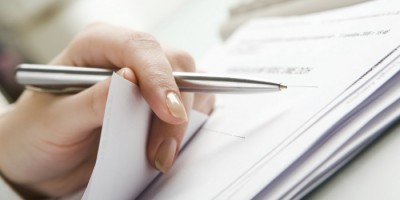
<point x="122" y="170"/>
<point x="347" y="138"/>
<point x="342" y="72"/>
<point x="254" y="140"/>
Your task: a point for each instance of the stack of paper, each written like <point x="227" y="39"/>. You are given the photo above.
<point x="342" y="71"/>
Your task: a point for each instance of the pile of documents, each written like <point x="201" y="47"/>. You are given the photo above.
<point x="342" y="72"/>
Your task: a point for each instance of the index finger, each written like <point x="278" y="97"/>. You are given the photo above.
<point x="103" y="45"/>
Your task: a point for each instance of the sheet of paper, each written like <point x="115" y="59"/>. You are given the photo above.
<point x="367" y="125"/>
<point x="347" y="152"/>
<point x="320" y="57"/>
<point x="379" y="110"/>
<point x="122" y="170"/>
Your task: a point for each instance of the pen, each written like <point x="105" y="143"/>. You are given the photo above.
<point x="70" y="79"/>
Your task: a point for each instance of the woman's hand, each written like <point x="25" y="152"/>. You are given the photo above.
<point x="48" y="143"/>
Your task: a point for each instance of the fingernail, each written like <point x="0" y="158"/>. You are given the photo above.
<point x="175" y="106"/>
<point x="165" y="155"/>
<point x="121" y="72"/>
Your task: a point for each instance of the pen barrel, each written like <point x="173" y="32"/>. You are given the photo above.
<point x="223" y="86"/>
<point x="66" y="79"/>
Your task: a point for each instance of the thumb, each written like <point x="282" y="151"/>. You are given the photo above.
<point x="84" y="111"/>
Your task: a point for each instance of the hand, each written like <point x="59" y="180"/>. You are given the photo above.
<point x="48" y="143"/>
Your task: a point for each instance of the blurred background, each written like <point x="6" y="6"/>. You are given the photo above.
<point x="34" y="31"/>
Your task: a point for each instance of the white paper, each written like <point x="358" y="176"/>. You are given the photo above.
<point x="348" y="137"/>
<point x="122" y="170"/>
<point x="250" y="140"/>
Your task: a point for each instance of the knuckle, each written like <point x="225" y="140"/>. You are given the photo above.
<point x="183" y="61"/>
<point x="159" y="76"/>
<point x="142" y="40"/>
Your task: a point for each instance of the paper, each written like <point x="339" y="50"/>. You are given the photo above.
<point x="380" y="110"/>
<point x="341" y="68"/>
<point x="251" y="140"/>
<point x="122" y="170"/>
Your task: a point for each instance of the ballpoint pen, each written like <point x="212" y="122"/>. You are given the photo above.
<point x="70" y="79"/>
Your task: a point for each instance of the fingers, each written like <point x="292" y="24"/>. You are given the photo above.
<point x="164" y="138"/>
<point x="164" y="141"/>
<point x="150" y="67"/>
<point x="204" y="102"/>
<point x="104" y="45"/>
<point x="163" y="144"/>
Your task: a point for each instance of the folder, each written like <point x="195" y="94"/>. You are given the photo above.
<point x="342" y="72"/>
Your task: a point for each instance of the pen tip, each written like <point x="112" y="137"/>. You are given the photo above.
<point x="282" y="87"/>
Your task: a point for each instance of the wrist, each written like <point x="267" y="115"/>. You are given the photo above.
<point x="21" y="189"/>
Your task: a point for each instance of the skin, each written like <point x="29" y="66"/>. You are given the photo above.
<point x="46" y="150"/>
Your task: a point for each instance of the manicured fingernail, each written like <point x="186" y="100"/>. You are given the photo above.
<point x="175" y="106"/>
<point x="165" y="155"/>
<point x="121" y="72"/>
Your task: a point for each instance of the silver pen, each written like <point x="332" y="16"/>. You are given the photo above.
<point x="71" y="79"/>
